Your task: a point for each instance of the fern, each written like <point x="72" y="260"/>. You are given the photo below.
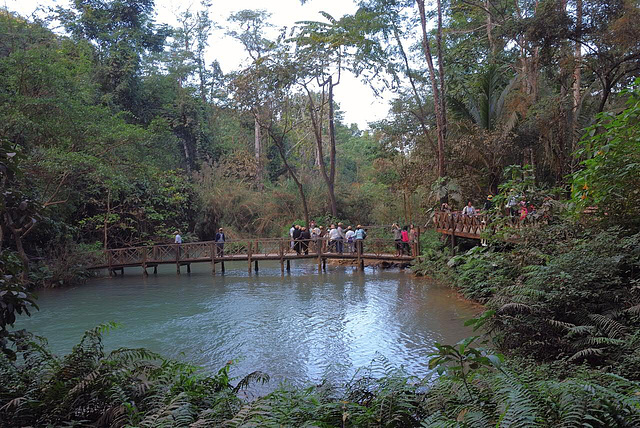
<point x="518" y="402"/>
<point x="609" y="326"/>
<point x="586" y="353"/>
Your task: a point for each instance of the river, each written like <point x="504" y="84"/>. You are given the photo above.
<point x="302" y="327"/>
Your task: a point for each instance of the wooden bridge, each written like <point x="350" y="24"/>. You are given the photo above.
<point x="477" y="226"/>
<point x="251" y="251"/>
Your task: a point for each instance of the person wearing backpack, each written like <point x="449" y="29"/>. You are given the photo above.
<point x="359" y="237"/>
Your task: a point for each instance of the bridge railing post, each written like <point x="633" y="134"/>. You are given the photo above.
<point x="453" y="234"/>
<point x="249" y="254"/>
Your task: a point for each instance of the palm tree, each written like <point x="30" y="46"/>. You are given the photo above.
<point x="485" y="125"/>
<point x="486" y="107"/>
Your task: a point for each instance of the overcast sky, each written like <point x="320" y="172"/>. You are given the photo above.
<point x="355" y="98"/>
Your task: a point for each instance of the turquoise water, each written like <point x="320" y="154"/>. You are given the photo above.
<point x="302" y="327"/>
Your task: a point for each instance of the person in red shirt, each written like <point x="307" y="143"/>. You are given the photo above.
<point x="405" y="241"/>
<point x="523" y="210"/>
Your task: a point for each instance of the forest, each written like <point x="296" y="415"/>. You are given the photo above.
<point x="117" y="130"/>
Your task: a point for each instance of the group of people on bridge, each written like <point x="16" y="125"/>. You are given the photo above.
<point x="517" y="206"/>
<point x="340" y="238"/>
<point x="403" y="237"/>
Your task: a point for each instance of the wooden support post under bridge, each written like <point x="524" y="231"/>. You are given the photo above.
<point x="177" y="258"/>
<point x="144" y="263"/>
<point x="212" y="250"/>
<point x="281" y="254"/>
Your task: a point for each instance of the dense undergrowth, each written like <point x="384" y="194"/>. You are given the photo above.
<point x="135" y="387"/>
<point x="565" y="293"/>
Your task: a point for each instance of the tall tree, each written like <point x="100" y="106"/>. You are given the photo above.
<point x="123" y="32"/>
<point x="437" y="83"/>
<point x="321" y="56"/>
<point x="250" y="27"/>
<point x="270" y="83"/>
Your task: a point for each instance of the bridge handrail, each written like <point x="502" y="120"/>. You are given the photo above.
<point x="246" y="247"/>
<point x="456" y="222"/>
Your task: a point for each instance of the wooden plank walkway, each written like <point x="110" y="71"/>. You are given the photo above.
<point x="251" y="251"/>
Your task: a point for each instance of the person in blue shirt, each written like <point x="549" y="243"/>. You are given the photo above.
<point x="359" y="238"/>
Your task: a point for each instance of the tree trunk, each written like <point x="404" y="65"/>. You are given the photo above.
<point x="187" y="157"/>
<point x="492" y="43"/>
<point x="106" y="220"/>
<point x="577" y="79"/>
<point x="17" y="237"/>
<point x="258" y="153"/>
<point x="280" y="145"/>
<point x="332" y="153"/>
<point x="443" y="88"/>
<point x="437" y="103"/>
<point x="316" y="122"/>
<point x="423" y="115"/>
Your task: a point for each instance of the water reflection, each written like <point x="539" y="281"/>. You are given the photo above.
<point x="302" y="326"/>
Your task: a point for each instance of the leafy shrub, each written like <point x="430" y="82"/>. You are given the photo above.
<point x="580" y="304"/>
<point x="123" y="387"/>
<point x="610" y="174"/>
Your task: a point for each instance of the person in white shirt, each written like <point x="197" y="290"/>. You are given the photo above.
<point x="315" y="234"/>
<point x="178" y="241"/>
<point x="349" y="237"/>
<point x="469" y="210"/>
<point x="293" y="228"/>
<point x="340" y="241"/>
<point x="334" y="237"/>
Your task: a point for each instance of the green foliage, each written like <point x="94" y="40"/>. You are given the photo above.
<point x="561" y="293"/>
<point x="122" y="387"/>
<point x="480" y="273"/>
<point x="135" y="387"/>
<point x="519" y="395"/>
<point x="446" y="188"/>
<point x="610" y="175"/>
<point x="434" y="257"/>
<point x="462" y="361"/>
<point x="15" y="299"/>
<point x="486" y="108"/>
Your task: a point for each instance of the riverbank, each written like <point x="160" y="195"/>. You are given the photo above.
<point x="569" y="300"/>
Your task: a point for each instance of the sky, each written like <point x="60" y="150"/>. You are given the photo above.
<point x="356" y="99"/>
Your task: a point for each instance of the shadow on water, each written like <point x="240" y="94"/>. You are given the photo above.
<point x="302" y="326"/>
